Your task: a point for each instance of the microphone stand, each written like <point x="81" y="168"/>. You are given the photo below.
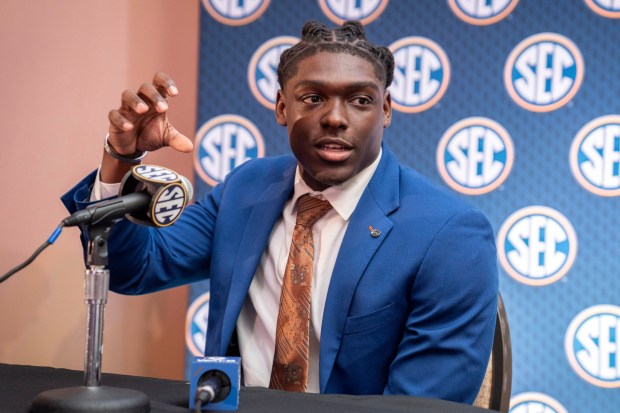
<point x="91" y="397"/>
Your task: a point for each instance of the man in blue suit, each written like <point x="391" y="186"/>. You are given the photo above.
<point x="404" y="284"/>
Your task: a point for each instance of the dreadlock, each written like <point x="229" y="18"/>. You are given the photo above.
<point x="350" y="38"/>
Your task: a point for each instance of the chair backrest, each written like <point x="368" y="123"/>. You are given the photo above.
<point x="494" y="393"/>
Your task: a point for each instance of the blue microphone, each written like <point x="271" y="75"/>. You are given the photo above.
<point x="214" y="383"/>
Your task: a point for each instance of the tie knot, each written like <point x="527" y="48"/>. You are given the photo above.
<point x="310" y="209"/>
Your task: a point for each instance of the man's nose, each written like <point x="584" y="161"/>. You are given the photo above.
<point x="335" y="115"/>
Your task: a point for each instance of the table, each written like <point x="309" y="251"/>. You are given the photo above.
<point x="20" y="384"/>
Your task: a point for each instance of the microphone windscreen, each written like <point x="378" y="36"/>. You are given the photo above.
<point x="188" y="187"/>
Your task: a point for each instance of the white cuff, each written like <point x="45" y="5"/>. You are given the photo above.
<point x="101" y="190"/>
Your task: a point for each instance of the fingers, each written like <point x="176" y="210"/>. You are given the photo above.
<point x="118" y="122"/>
<point x="149" y="96"/>
<point x="152" y="97"/>
<point x="136" y="106"/>
<point x="121" y="135"/>
<point x="165" y="85"/>
<point x="141" y="122"/>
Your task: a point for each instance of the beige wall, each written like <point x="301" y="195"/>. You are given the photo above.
<point x="63" y="66"/>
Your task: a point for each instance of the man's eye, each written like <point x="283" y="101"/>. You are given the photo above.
<point x="311" y="99"/>
<point x="362" y="100"/>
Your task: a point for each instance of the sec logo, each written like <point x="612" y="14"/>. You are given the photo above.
<point x="592" y="345"/>
<point x="154" y="173"/>
<point x="543" y="72"/>
<point x="222" y="144"/>
<point x="235" y="12"/>
<point x="536" y="245"/>
<point x="482" y="12"/>
<point x="340" y="11"/>
<point x="606" y="8"/>
<point x="475" y="156"/>
<point x="595" y="156"/>
<point x="168" y="203"/>
<point x="532" y="402"/>
<point x="196" y="321"/>
<point x="262" y="70"/>
<point x="421" y="74"/>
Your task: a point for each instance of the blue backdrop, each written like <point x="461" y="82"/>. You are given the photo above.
<point x="512" y="104"/>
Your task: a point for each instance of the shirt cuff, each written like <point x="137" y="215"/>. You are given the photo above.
<point x="102" y="190"/>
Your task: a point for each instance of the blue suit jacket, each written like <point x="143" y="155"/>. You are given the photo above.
<point x="409" y="312"/>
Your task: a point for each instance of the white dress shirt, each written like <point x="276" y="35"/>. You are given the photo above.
<point x="256" y="326"/>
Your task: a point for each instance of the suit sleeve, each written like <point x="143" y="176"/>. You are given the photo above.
<point x="449" y="331"/>
<point x="144" y="259"/>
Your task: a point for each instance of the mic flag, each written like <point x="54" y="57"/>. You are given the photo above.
<point x="216" y="379"/>
<point x="148" y="195"/>
<point x="169" y="193"/>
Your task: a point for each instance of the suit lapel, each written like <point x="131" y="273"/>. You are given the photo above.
<point x="379" y="199"/>
<point x="263" y="216"/>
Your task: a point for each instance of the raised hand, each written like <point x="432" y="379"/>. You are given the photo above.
<point x="141" y="124"/>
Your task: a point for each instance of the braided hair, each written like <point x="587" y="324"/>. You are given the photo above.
<point x="350" y="38"/>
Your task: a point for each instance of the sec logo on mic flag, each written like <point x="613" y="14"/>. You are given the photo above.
<point x="168" y="203"/>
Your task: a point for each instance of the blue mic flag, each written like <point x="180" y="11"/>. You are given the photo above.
<point x="225" y="391"/>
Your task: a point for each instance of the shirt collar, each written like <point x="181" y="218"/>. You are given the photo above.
<point x="343" y="197"/>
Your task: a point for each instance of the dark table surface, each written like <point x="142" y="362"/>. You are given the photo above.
<point x="19" y="385"/>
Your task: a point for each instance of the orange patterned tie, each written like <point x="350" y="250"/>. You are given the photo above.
<point x="290" y="362"/>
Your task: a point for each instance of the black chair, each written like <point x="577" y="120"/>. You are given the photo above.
<point x="494" y="393"/>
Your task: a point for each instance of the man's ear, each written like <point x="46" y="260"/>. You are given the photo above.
<point x="387" y="109"/>
<point x="281" y="108"/>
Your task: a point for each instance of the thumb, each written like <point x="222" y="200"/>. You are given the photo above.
<point x="180" y="142"/>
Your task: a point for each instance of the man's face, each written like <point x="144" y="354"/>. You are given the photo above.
<point x="335" y="109"/>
